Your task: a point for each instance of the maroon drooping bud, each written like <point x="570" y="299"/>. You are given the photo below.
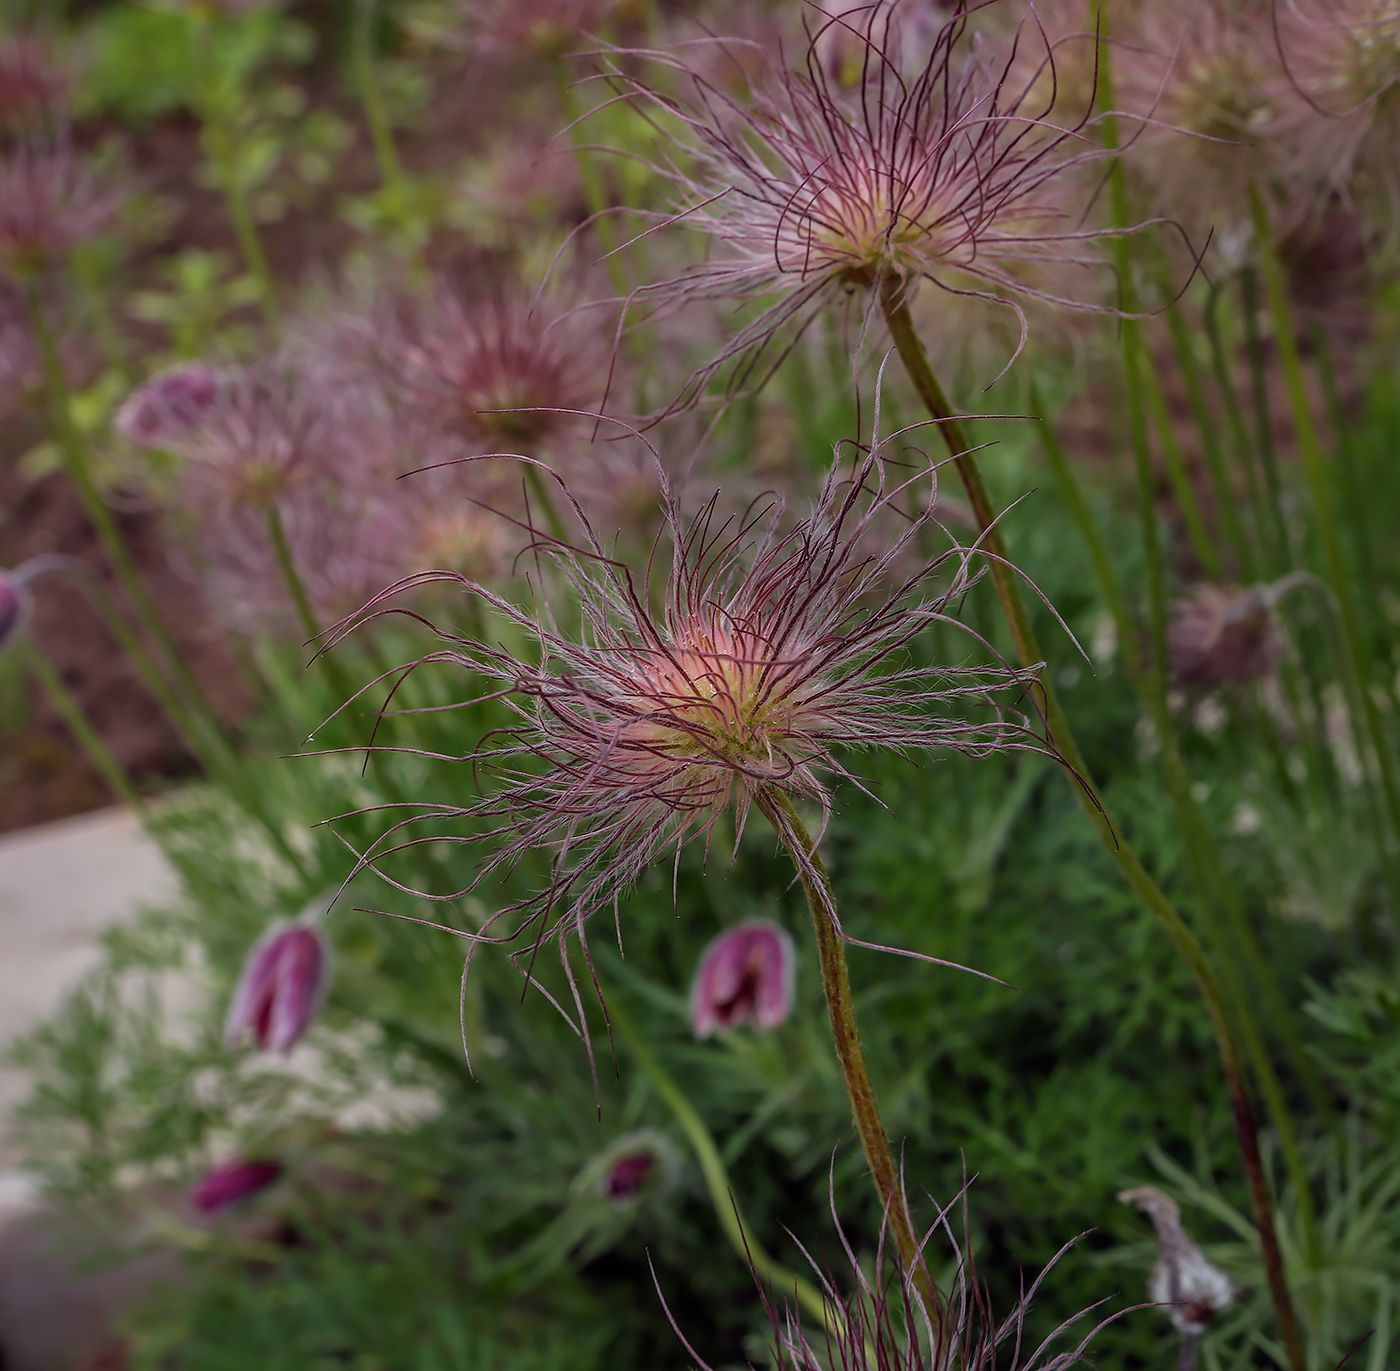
<point x="623" y="1180"/>
<point x="14" y="610"/>
<point x="1222" y="633"/>
<point x="280" y="988"/>
<point x="168" y="406"/>
<point x="232" y="1183"/>
<point x="745" y="975"/>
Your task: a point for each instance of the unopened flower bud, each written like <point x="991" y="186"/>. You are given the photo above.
<point x="745" y="975"/>
<point x="280" y="988"/>
<point x="623" y="1180"/>
<point x="1220" y="634"/>
<point x="168" y="406"/>
<point x="232" y="1183"/>
<point x="1195" y="1289"/>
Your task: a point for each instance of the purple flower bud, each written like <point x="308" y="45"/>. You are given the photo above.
<point x="232" y="1183"/>
<point x="14" y="610"/>
<point x="745" y="974"/>
<point x="623" y="1180"/>
<point x="280" y="988"/>
<point x="168" y="406"/>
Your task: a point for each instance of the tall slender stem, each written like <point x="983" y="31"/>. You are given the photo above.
<point x="722" y="1197"/>
<point x="88" y="738"/>
<point x="1354" y="663"/>
<point x="1188" y="947"/>
<point x="218" y="139"/>
<point x="836" y="984"/>
<point x="386" y="154"/>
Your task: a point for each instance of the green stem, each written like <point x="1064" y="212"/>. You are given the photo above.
<point x="1263" y="421"/>
<point x="1239" y="431"/>
<point x="1188" y="947"/>
<point x="836" y="984"/>
<point x="196" y="724"/>
<point x="594" y="195"/>
<point x="1151" y="387"/>
<point x="1355" y="662"/>
<point x="381" y="135"/>
<point x="89" y="739"/>
<point x="1210" y="446"/>
<point x="717" y="1181"/>
<point x="218" y="141"/>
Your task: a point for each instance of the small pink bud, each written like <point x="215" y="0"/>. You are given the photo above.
<point x="746" y="973"/>
<point x="14" y="610"/>
<point x="232" y="1183"/>
<point x="168" y="406"/>
<point x="623" y="1180"/>
<point x="280" y="988"/>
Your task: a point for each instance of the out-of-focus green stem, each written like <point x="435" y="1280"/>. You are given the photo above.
<point x="1354" y="663"/>
<point x="722" y="1197"/>
<point x="1263" y="422"/>
<point x="89" y="739"/>
<point x="836" y="984"/>
<point x="218" y="141"/>
<point x="594" y="195"/>
<point x="381" y="135"/>
<point x="1210" y="446"/>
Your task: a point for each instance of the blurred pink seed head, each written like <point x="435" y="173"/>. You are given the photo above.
<point x="1223" y="634"/>
<point x="280" y="989"/>
<point x="494" y="371"/>
<point x="170" y="406"/>
<point x="50" y="203"/>
<point x="947" y="175"/>
<point x="34" y="88"/>
<point x="230" y="1184"/>
<point x="536" y="29"/>
<point x="746" y="975"/>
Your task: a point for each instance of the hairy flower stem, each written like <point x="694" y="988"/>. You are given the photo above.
<point x="836" y="984"/>
<point x="1188" y="947"/>
<point x="88" y="738"/>
<point x="717" y="1181"/>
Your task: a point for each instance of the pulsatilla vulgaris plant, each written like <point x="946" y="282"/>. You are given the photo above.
<point x="950" y="172"/>
<point x="778" y="648"/>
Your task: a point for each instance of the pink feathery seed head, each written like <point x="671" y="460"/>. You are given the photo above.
<point x="230" y="1184"/>
<point x="1203" y="80"/>
<point x="1223" y="634"/>
<point x="34" y="88"/>
<point x="746" y="975"/>
<point x="778" y="646"/>
<point x="541" y="30"/>
<point x="168" y="406"/>
<point x="493" y="371"/>
<point x="280" y="988"/>
<point x="50" y="202"/>
<point x="1338" y="106"/>
<point x="810" y="193"/>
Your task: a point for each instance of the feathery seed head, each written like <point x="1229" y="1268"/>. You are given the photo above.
<point x="534" y="29"/>
<point x="50" y="202"/>
<point x="947" y="175"/>
<point x="779" y="647"/>
<point x="34" y="89"/>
